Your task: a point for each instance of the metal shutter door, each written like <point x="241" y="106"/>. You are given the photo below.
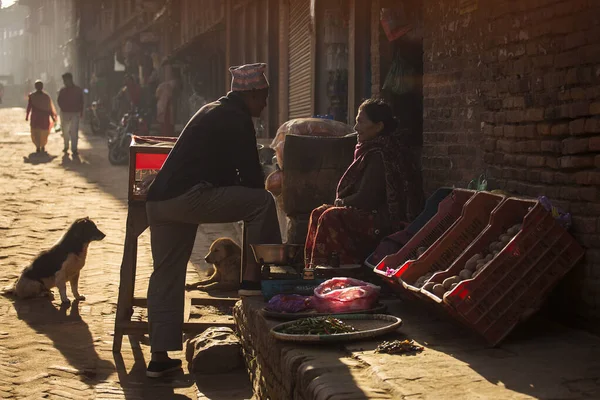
<point x="300" y="85"/>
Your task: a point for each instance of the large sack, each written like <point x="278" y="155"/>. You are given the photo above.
<point x="307" y="127"/>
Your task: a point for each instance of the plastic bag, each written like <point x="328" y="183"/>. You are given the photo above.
<point x="344" y="295"/>
<point x="563" y="218"/>
<point x="289" y="303"/>
<point x="274" y="182"/>
<point x="307" y="127"/>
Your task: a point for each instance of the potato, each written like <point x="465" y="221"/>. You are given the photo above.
<point x="429" y="286"/>
<point x="513" y="230"/>
<point x="504" y="239"/>
<point x="494" y="246"/>
<point x="471" y="265"/>
<point x="495" y="253"/>
<point x="465" y="274"/>
<point x="453" y="286"/>
<point x="480" y="265"/>
<point x="489" y="257"/>
<point x="421" y="250"/>
<point x="476" y="273"/>
<point x="476" y="257"/>
<point x="420" y="282"/>
<point x="439" y="290"/>
<point x="449" y="281"/>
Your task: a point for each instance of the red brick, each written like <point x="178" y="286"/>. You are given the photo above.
<point x="579" y="109"/>
<point x="544" y="128"/>
<point x="577" y="127"/>
<point x="589" y="241"/>
<point x="594" y="143"/>
<point x="587" y="178"/>
<point x="589" y="54"/>
<point x="576" y="162"/>
<point x="597" y="161"/>
<point x="592" y="125"/>
<point x="577" y="93"/>
<point x="550" y="146"/>
<point x="574" y="146"/>
<point x="585" y="224"/>
<point x="579" y="193"/>
<point x="515" y="116"/>
<point x="552" y="162"/>
<point x="526" y="131"/>
<point x="576" y="39"/>
<point x="510" y="131"/>
<point x="504" y="146"/>
<point x="536" y="161"/>
<point x="560" y="130"/>
<point x="489" y="144"/>
<point x="547" y="177"/>
<point x="595" y="108"/>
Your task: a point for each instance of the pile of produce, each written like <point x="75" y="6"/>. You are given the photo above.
<point x="338" y="295"/>
<point x="398" y="347"/>
<point x="289" y="303"/>
<point x="318" y="326"/>
<point x="472" y="268"/>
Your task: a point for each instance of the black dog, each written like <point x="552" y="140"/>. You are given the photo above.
<point x="59" y="265"/>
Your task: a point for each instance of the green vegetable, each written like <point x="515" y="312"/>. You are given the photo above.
<point x="318" y="326"/>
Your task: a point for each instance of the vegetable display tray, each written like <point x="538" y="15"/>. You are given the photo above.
<point x="366" y="325"/>
<point x="449" y="211"/>
<point x="513" y="285"/>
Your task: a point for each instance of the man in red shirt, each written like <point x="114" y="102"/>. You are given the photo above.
<point x="70" y="101"/>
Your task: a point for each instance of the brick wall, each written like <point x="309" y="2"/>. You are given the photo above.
<point x="513" y="89"/>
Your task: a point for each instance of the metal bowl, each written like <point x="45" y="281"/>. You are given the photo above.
<point x="277" y="254"/>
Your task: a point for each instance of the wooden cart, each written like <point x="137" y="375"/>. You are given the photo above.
<point x="147" y="156"/>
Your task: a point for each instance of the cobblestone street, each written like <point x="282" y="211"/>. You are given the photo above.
<point x="49" y="353"/>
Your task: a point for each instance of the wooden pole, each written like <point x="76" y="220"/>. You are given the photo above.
<point x="227" y="41"/>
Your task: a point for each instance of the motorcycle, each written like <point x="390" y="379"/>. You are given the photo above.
<point x="119" y="139"/>
<point x="99" y="118"/>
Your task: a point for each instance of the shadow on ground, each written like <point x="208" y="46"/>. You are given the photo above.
<point x="69" y="334"/>
<point x="38" y="158"/>
<point x="541" y="358"/>
<point x="135" y="383"/>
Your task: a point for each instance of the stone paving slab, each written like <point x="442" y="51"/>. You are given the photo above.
<point x="49" y="352"/>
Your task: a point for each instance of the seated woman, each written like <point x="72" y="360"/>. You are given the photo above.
<point x="373" y="196"/>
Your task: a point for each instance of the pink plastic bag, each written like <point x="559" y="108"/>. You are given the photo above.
<point x="345" y="294"/>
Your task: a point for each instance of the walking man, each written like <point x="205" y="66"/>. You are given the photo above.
<point x="212" y="175"/>
<point x="70" y="101"/>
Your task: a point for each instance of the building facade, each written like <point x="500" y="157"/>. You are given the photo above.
<point x="12" y="42"/>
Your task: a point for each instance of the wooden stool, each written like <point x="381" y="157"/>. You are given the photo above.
<point x="137" y="223"/>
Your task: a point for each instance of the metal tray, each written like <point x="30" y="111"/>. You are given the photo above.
<point x="367" y="326"/>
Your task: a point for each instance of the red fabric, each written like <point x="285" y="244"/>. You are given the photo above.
<point x="70" y="99"/>
<point x="38" y="119"/>
<point x="399" y="169"/>
<point x="350" y="232"/>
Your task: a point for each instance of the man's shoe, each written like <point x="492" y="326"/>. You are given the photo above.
<point x="249" y="288"/>
<point x="159" y="369"/>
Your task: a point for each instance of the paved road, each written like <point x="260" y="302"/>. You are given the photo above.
<point x="46" y="352"/>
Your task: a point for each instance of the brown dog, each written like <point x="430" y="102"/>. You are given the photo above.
<point x="226" y="257"/>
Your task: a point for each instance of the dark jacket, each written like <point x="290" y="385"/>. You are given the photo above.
<point x="217" y="146"/>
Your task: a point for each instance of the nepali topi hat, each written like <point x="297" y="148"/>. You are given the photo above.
<point x="248" y="77"/>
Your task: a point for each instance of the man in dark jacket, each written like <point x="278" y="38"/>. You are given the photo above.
<point x="212" y="175"/>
